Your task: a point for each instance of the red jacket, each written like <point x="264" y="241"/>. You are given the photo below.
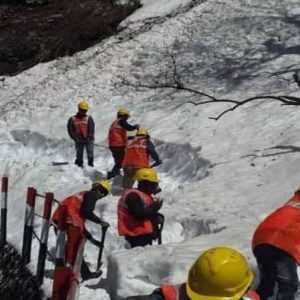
<point x="129" y="225"/>
<point x="117" y="136"/>
<point x="172" y="292"/>
<point x="69" y="209"/>
<point x="136" y="154"/>
<point x="281" y="228"/>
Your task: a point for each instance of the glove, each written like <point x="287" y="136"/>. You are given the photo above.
<point x="104" y="224"/>
<point x="158" y="190"/>
<point x="157" y="163"/>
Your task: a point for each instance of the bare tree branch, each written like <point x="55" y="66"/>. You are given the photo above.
<point x="172" y="80"/>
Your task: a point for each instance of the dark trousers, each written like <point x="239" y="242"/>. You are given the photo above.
<point x="80" y="146"/>
<point x="118" y="155"/>
<point x="139" y="241"/>
<point x="277" y="268"/>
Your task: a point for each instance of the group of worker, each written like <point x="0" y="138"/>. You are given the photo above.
<point x="129" y="154"/>
<point x="139" y="221"/>
<point x="220" y="273"/>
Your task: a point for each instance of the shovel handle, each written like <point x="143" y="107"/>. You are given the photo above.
<point x="104" y="229"/>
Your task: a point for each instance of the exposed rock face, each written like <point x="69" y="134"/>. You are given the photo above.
<point x="16" y="281"/>
<point x="33" y="34"/>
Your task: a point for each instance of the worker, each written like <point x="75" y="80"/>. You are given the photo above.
<point x="117" y="139"/>
<point x="137" y="155"/>
<point x="81" y="129"/>
<point x="276" y="246"/>
<point x="138" y="217"/>
<point x="220" y="273"/>
<point x="75" y="210"/>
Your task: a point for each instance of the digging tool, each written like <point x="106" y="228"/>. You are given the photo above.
<point x="160" y="227"/>
<point x="99" y="262"/>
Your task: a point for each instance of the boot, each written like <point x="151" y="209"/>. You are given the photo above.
<point x="79" y="163"/>
<point x="91" y="275"/>
<point x="86" y="274"/>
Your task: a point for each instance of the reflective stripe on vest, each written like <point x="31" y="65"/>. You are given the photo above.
<point x="281" y="228"/>
<point x="81" y="126"/>
<point x="117" y="136"/>
<point x="170" y="292"/>
<point x="251" y="295"/>
<point x="136" y="154"/>
<point x="69" y="209"/>
<point x="128" y="225"/>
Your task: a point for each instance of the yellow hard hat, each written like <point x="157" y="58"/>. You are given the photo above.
<point x="84" y="105"/>
<point x="104" y="183"/>
<point x="147" y="174"/>
<point x="123" y="112"/>
<point x="220" y="273"/>
<point x="142" y="132"/>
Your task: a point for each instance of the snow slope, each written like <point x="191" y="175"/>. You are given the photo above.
<point x="219" y="178"/>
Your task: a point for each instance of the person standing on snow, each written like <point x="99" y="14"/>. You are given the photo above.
<point x="81" y="129"/>
<point x="276" y="246"/>
<point x="117" y="139"/>
<point x="75" y="210"/>
<point x="220" y="273"/>
<point x="138" y="217"/>
<point x="137" y="156"/>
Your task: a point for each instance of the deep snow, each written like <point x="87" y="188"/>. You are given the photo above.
<point x="219" y="178"/>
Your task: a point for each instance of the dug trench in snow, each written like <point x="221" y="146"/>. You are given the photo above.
<point x="16" y="281"/>
<point x="181" y="164"/>
<point x="129" y="273"/>
<point x="180" y="161"/>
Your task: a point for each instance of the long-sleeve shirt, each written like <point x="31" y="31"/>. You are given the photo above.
<point x="123" y="123"/>
<point x="88" y="205"/>
<point x="152" y="151"/>
<point x="90" y="130"/>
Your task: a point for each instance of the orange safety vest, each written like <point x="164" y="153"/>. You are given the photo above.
<point x="129" y="225"/>
<point x="172" y="292"/>
<point x="70" y="208"/>
<point x="81" y="126"/>
<point x="281" y="228"/>
<point x="136" y="154"/>
<point x="117" y="136"/>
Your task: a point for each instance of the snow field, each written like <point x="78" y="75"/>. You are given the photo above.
<point x="219" y="179"/>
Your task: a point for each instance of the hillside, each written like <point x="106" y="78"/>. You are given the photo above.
<point x="31" y="34"/>
<point x="219" y="178"/>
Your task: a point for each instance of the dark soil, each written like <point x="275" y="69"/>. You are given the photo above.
<point x="16" y="281"/>
<point x="29" y="35"/>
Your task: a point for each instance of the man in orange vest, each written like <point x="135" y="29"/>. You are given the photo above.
<point x="81" y="129"/>
<point x="220" y="273"/>
<point x="137" y="155"/>
<point x="117" y="139"/>
<point x="75" y="210"/>
<point x="138" y="216"/>
<point x="276" y="246"/>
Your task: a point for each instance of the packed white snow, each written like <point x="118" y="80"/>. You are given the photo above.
<point x="219" y="178"/>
